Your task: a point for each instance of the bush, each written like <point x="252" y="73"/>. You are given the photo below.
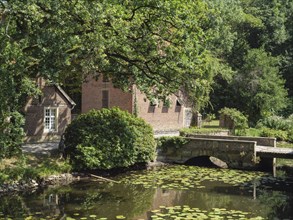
<point x="194" y="130"/>
<point x="290" y="136"/>
<point x="252" y="132"/>
<point x="233" y="119"/>
<point x="11" y="134"/>
<point x="277" y="123"/>
<point x="164" y="143"/>
<point x="277" y="126"/>
<point x="278" y="134"/>
<point x="107" y="139"/>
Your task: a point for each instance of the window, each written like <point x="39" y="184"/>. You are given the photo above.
<point x="105" y="99"/>
<point x="50" y="119"/>
<point x="178" y="103"/>
<point x="105" y="79"/>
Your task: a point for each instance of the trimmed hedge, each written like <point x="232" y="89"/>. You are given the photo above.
<point x="107" y="139"/>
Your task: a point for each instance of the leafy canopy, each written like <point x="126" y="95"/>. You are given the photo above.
<point x="156" y="44"/>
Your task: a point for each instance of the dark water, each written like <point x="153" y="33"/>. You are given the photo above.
<point x="212" y="193"/>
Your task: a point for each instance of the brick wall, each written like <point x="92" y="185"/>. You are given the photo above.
<point x="92" y="96"/>
<point x="162" y="118"/>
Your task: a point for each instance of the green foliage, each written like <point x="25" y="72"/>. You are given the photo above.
<point x="238" y="119"/>
<point x="261" y="86"/>
<point x="195" y="130"/>
<point x="277" y="123"/>
<point x="252" y="132"/>
<point x="28" y="168"/>
<point x="154" y="44"/>
<point x="290" y="136"/>
<point x="107" y="139"/>
<point x="256" y="42"/>
<point x="164" y="143"/>
<point x="210" y="117"/>
<point x="237" y="52"/>
<point x="277" y="126"/>
<point x="11" y="134"/>
<point x="278" y="134"/>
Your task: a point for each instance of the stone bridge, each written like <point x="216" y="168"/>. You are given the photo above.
<point x="236" y="152"/>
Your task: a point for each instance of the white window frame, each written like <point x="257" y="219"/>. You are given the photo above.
<point x="51" y="118"/>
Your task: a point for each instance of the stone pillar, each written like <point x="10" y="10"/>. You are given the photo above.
<point x="198" y="119"/>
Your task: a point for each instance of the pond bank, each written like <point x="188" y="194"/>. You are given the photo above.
<point x="67" y="178"/>
<point x="31" y="185"/>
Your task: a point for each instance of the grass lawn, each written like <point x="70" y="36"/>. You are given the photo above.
<point x="211" y="124"/>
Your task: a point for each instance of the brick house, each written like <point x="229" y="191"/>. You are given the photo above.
<point x="97" y="94"/>
<point x="47" y="116"/>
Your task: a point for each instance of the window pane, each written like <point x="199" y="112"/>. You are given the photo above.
<point x="50" y="118"/>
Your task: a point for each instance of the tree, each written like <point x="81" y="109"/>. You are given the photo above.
<point x="260" y="85"/>
<point x="157" y="45"/>
<point x="251" y="33"/>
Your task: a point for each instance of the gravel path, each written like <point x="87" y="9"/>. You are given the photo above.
<point x="40" y="148"/>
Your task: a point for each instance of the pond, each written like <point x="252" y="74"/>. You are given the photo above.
<point x="172" y="192"/>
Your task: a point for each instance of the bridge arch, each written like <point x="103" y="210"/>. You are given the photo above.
<point x="206" y="161"/>
<point x="206" y="154"/>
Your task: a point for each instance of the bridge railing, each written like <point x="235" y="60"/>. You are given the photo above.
<point x="262" y="141"/>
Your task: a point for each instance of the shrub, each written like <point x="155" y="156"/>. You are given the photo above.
<point x="290" y="136"/>
<point x="277" y="123"/>
<point x="107" y="139"/>
<point x="252" y="132"/>
<point x="164" y="143"/>
<point x="278" y="134"/>
<point x="194" y="130"/>
<point x="210" y="117"/>
<point x="233" y="119"/>
<point x="11" y="134"/>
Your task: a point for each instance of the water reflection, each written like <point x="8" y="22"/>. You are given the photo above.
<point x="96" y="199"/>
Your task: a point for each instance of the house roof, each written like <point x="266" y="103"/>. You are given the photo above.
<point x="65" y="95"/>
